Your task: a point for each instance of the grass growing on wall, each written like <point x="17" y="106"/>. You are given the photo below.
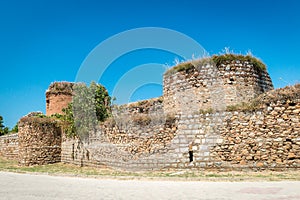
<point x="228" y="58"/>
<point x="61" y="87"/>
<point x="287" y="94"/>
<point x="218" y="60"/>
<point x="250" y="106"/>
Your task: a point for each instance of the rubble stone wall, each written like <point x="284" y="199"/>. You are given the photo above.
<point x="9" y="146"/>
<point x="210" y="86"/>
<point x="224" y="117"/>
<point x="39" y="141"/>
<point x="267" y="137"/>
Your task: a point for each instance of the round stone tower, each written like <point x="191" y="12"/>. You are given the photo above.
<point x="39" y="141"/>
<point x="58" y="96"/>
<point x="214" y="83"/>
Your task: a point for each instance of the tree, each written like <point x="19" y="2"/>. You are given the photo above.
<point x="3" y="130"/>
<point x="68" y="118"/>
<point x="89" y="106"/>
<point x="15" y="129"/>
<point x="102" y="101"/>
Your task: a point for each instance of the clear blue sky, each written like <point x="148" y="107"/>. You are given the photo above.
<point x="47" y="40"/>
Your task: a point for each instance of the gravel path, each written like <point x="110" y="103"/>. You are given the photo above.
<point x="25" y="186"/>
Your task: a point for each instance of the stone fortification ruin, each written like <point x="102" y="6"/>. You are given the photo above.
<point x="58" y="96"/>
<point x="220" y="113"/>
<point x="207" y="84"/>
<point x="39" y="141"/>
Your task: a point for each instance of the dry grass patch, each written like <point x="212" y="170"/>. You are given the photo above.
<point x="60" y="169"/>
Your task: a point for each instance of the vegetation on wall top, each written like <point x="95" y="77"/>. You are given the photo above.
<point x="289" y="95"/>
<point x="228" y="58"/>
<point x="37" y="119"/>
<point x="60" y="88"/>
<point x="218" y="60"/>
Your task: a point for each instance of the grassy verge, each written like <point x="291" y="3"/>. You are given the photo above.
<point x="60" y="169"/>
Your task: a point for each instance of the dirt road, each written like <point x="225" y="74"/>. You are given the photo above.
<point x="25" y="186"/>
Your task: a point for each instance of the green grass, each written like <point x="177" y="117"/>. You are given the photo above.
<point x="60" y="169"/>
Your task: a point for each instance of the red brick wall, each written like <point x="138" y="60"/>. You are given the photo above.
<point x="56" y="102"/>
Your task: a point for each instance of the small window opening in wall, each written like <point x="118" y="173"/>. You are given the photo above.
<point x="191" y="156"/>
<point x="47" y="103"/>
<point x="73" y="152"/>
<point x="292" y="104"/>
<point x="288" y="140"/>
<point x="231" y="80"/>
<point x="191" y="152"/>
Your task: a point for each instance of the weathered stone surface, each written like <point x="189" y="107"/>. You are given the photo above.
<point x="39" y="141"/>
<point x="187" y="128"/>
<point x="208" y="86"/>
<point x="9" y="146"/>
<point x="58" y="96"/>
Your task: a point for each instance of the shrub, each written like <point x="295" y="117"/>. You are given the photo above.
<point x="250" y="106"/>
<point x="142" y="119"/>
<point x="206" y="111"/>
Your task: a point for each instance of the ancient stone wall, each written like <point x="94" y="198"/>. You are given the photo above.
<point x="58" y="96"/>
<point x="207" y="86"/>
<point x="222" y="117"/>
<point x="9" y="146"/>
<point x="266" y="136"/>
<point x="131" y="140"/>
<point x="39" y="141"/>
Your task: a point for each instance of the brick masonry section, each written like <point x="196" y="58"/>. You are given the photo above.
<point x="58" y="96"/>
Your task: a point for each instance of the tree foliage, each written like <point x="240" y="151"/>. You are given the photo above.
<point x="15" y="129"/>
<point x="3" y="130"/>
<point x="89" y="106"/>
<point x="102" y="101"/>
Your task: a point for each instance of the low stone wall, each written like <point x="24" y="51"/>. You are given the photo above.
<point x="9" y="146"/>
<point x="39" y="141"/>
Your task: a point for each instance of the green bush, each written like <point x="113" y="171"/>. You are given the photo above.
<point x="141" y="119"/>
